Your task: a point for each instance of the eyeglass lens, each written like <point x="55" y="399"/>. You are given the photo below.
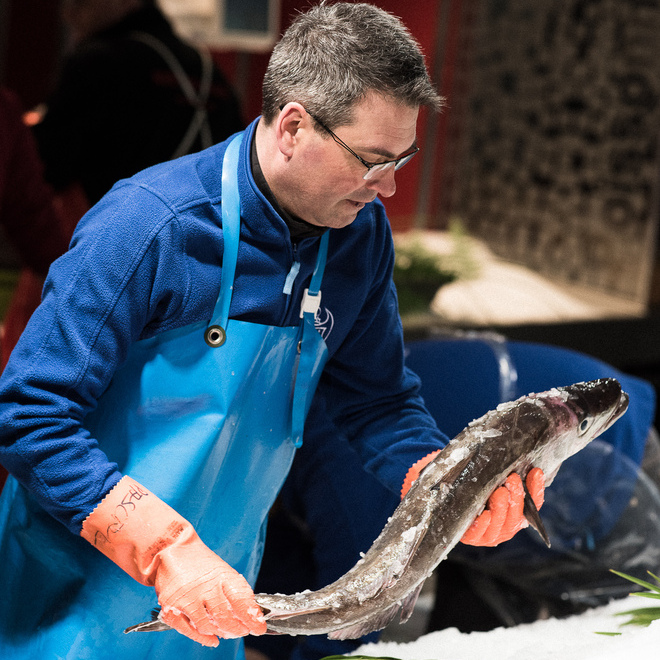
<point x="375" y="170"/>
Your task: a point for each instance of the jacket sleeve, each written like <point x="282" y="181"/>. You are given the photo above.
<point x="98" y="298"/>
<point x="369" y="392"/>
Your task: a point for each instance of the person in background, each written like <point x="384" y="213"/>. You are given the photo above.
<point x="27" y="212"/>
<point x="131" y="94"/>
<point x="152" y="408"/>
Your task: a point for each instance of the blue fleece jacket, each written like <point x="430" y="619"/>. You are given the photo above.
<point x="148" y="258"/>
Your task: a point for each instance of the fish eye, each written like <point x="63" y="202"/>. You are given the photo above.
<point x="584" y="426"/>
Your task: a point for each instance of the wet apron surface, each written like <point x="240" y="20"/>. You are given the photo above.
<point x="207" y="417"/>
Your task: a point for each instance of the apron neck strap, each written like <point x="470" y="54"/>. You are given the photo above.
<point x="231" y="228"/>
<point x="317" y="277"/>
<point x="311" y="300"/>
<point x="215" y="334"/>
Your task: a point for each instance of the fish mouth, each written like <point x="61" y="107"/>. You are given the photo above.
<point x="612" y="396"/>
<point x="621" y="407"/>
<point x="616" y="412"/>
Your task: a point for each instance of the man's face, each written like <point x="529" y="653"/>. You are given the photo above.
<point x="329" y="183"/>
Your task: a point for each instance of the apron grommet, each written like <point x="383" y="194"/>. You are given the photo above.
<point x="215" y="336"/>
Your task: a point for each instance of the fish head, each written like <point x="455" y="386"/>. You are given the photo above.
<point x="597" y="404"/>
<point x="582" y="412"/>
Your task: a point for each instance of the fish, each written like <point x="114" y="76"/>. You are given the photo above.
<point x="537" y="430"/>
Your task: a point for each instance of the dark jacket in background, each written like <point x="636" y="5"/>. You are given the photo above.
<point x="118" y="107"/>
<point x="27" y="213"/>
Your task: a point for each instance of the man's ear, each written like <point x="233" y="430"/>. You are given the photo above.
<point x="287" y="126"/>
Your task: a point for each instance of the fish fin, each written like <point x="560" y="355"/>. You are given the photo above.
<point x="376" y="622"/>
<point x="399" y="560"/>
<point x="454" y="473"/>
<point x="532" y="515"/>
<point x="273" y="615"/>
<point x="154" y="625"/>
<point x="380" y="619"/>
<point x="406" y="553"/>
<point x="409" y="604"/>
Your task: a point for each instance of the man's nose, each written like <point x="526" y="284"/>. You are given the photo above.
<point x="384" y="183"/>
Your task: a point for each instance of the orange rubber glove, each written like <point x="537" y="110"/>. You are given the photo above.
<point x="503" y="516"/>
<point x="415" y="470"/>
<point x="201" y="596"/>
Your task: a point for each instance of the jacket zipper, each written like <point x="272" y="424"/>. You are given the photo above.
<point x="290" y="282"/>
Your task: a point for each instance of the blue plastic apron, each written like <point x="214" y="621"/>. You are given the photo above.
<point x="208" y="417"/>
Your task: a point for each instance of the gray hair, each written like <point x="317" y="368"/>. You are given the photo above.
<point x="333" y="55"/>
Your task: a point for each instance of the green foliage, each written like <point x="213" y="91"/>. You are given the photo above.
<point x="419" y="272"/>
<point x="642" y="616"/>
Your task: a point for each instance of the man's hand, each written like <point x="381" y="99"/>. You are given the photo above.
<point x="201" y="596"/>
<point x="503" y="516"/>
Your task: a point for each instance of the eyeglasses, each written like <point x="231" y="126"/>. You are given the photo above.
<point x="373" y="169"/>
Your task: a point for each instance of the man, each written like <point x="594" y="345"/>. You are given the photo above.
<point x="179" y="344"/>
<point x="131" y="94"/>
